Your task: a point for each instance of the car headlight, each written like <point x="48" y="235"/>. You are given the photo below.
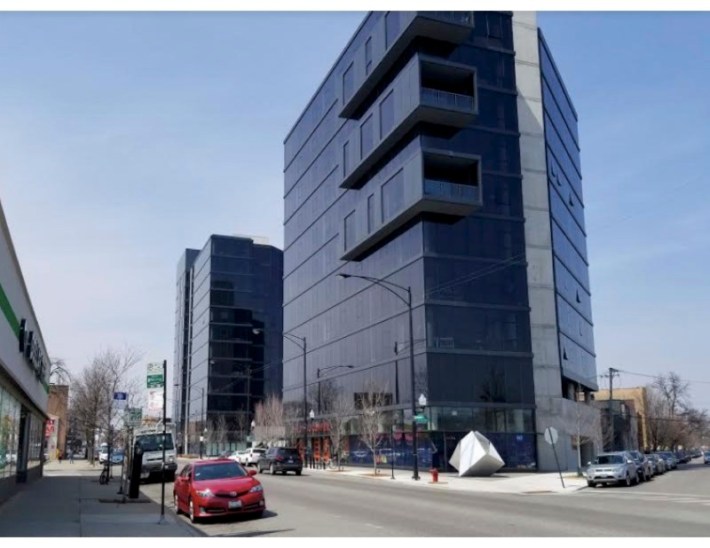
<point x="206" y="494"/>
<point x="171" y="459"/>
<point x="256" y="489"/>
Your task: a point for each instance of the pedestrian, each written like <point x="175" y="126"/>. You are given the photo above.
<point x="70" y="454"/>
<point x="59" y="455"/>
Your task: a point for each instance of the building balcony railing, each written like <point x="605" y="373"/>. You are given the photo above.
<point x="453" y="27"/>
<point x="448" y="100"/>
<point x="452" y="192"/>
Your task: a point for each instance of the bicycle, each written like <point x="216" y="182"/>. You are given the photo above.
<point x="103" y="478"/>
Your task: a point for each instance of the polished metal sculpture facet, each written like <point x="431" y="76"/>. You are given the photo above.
<point x="475" y="455"/>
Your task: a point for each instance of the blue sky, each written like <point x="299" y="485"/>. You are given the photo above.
<point x="125" y="138"/>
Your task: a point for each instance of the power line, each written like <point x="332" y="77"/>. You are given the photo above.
<point x="657" y="376"/>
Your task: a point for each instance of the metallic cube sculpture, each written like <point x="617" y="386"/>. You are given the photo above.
<point x="475" y="455"/>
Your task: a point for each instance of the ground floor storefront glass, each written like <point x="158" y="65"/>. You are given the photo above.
<point x="510" y="430"/>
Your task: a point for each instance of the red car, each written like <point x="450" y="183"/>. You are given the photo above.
<point x="207" y="488"/>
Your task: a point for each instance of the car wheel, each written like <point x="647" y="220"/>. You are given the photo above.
<point x="258" y="515"/>
<point x="298" y="472"/>
<point x="272" y="469"/>
<point x="260" y="469"/>
<point x="628" y="480"/>
<point x="636" y="480"/>
<point x="591" y="484"/>
<point x="191" y="506"/>
<point x="177" y="505"/>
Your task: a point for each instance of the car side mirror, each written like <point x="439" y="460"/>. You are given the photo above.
<point x="589" y="463"/>
<point x="629" y="462"/>
<point x="251" y="472"/>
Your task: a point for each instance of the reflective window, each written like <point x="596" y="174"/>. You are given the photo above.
<point x="370" y="212"/>
<point x="348" y="82"/>
<point x="367" y="137"/>
<point x="346" y="158"/>
<point x="393" y="196"/>
<point x="477" y="329"/>
<point x="387" y="114"/>
<point x="349" y="234"/>
<point x="392" y="27"/>
<point x="368" y="56"/>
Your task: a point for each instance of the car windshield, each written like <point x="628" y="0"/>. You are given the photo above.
<point x="609" y="459"/>
<point x="289" y="452"/>
<point x="258" y="451"/>
<point x="153" y="442"/>
<point x="218" y="470"/>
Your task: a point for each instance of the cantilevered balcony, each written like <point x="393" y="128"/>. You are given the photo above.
<point x="430" y="182"/>
<point x="428" y="91"/>
<point x="447" y="26"/>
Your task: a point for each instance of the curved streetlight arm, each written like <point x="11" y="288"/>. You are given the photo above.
<point x="295" y="339"/>
<point x="384" y="284"/>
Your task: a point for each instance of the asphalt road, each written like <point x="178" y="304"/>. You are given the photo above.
<point x="676" y="504"/>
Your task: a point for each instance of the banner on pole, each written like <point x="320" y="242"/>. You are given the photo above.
<point x="155" y="401"/>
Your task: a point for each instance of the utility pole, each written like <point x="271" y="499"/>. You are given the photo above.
<point x="612" y="372"/>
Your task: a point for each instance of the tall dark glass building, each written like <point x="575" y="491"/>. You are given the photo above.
<point x="441" y="154"/>
<point x="228" y="339"/>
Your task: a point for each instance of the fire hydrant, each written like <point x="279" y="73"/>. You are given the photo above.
<point x="434" y="475"/>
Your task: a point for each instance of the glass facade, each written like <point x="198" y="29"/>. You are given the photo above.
<point x="467" y="274"/>
<point x="232" y="329"/>
<point x="569" y="239"/>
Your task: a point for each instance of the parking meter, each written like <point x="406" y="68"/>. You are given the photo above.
<point x="136" y="466"/>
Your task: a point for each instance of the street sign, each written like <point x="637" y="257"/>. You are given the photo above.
<point x="421" y="419"/>
<point x="120" y="400"/>
<point x="155" y="375"/>
<point x="551" y="435"/>
<point x="135" y="417"/>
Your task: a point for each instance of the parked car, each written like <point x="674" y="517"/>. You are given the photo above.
<point x="252" y="455"/>
<point x="281" y="459"/>
<point x="643" y="466"/>
<point x="682" y="456"/>
<point x="236" y="455"/>
<point x="669" y="457"/>
<point x="208" y="488"/>
<point x="618" y="467"/>
<point x="117" y="456"/>
<point x="706" y="457"/>
<point x="658" y="463"/>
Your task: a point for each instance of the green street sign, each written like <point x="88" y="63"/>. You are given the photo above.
<point x="155" y="375"/>
<point x="155" y="381"/>
<point x="421" y="419"/>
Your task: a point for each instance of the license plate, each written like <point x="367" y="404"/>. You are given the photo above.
<point x="234" y="504"/>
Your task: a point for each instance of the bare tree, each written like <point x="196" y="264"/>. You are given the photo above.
<point x="58" y="372"/>
<point x="92" y="393"/>
<point x="241" y="425"/>
<point x="373" y="417"/>
<point x="269" y="420"/>
<point x="338" y="410"/>
<point x="674" y="391"/>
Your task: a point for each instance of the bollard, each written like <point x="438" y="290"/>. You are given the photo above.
<point x="434" y="475"/>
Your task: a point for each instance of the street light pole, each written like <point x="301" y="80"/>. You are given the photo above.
<point x="408" y="301"/>
<point x="202" y="423"/>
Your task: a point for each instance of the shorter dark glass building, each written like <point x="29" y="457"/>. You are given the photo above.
<point x="228" y="340"/>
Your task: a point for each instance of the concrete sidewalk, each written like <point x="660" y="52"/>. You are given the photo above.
<point x="504" y="482"/>
<point x="69" y="502"/>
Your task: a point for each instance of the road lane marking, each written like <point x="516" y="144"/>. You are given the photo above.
<point x="375" y="526"/>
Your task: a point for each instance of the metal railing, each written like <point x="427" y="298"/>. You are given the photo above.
<point x="451" y="191"/>
<point x="440" y="98"/>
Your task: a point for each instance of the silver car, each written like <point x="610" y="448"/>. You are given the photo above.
<point x="618" y="467"/>
<point x="646" y="470"/>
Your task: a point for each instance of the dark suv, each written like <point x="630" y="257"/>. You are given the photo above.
<point x="281" y="459"/>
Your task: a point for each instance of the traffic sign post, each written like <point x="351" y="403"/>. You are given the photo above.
<point x="551" y="437"/>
